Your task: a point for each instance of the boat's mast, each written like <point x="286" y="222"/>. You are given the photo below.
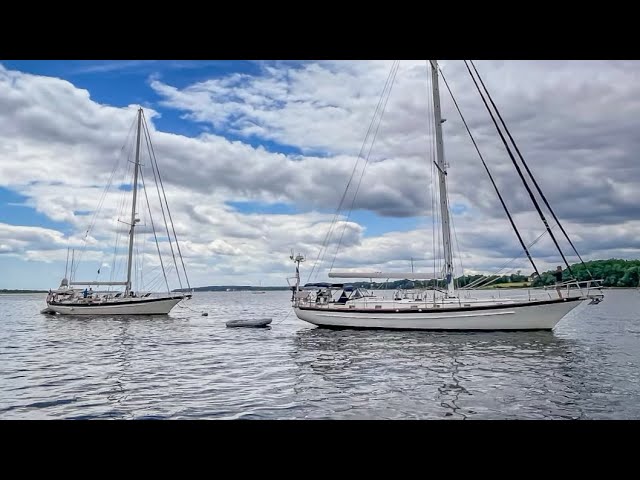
<point x="66" y="267"/>
<point x="297" y="260"/>
<point x="442" y="168"/>
<point x="73" y="254"/>
<point x="133" y="204"/>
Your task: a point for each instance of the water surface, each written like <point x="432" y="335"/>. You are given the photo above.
<point x="188" y="366"/>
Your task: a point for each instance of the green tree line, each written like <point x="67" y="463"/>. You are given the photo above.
<point x="613" y="272"/>
<point x="461" y="281"/>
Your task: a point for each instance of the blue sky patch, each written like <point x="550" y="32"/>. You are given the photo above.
<point x="248" y="207"/>
<point x="13" y="211"/>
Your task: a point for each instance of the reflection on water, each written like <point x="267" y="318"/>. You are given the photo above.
<point x="122" y="349"/>
<point x="460" y="375"/>
<point x="189" y="366"/>
<point x="450" y="391"/>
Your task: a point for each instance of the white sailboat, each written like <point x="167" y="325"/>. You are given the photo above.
<point x="443" y="306"/>
<point x="68" y="299"/>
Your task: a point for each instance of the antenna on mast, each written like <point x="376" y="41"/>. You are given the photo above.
<point x="298" y="259"/>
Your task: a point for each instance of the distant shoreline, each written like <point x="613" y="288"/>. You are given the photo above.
<point x="232" y="288"/>
<point x="8" y="292"/>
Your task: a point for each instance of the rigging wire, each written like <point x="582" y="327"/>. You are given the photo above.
<point x="513" y="160"/>
<point x="325" y="243"/>
<point x="115" y="271"/>
<point x="155" y="162"/>
<point x="512" y="260"/>
<point x="455" y="236"/>
<point x="156" y="271"/>
<point x="101" y="200"/>
<point x="147" y="139"/>
<point x="154" y="232"/>
<point x="334" y="222"/>
<point x="504" y="205"/>
<point x="431" y="159"/>
<point x="355" y="194"/>
<point x="524" y="163"/>
<point x="144" y="254"/>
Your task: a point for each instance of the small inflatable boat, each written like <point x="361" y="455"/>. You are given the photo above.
<point x="249" y="322"/>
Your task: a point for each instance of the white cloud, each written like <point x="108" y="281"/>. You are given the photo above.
<point x="16" y="238"/>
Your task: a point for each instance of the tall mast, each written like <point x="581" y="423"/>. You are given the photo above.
<point x="133" y="204"/>
<point x="66" y="267"/>
<point x="442" y="169"/>
<point x="73" y="254"/>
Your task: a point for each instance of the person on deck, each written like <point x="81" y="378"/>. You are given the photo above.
<point x="558" y="275"/>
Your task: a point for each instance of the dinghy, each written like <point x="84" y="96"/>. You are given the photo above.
<point x="249" y="322"/>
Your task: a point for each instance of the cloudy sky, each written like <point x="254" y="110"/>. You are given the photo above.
<point x="255" y="157"/>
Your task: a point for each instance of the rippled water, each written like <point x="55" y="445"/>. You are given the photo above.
<point x="190" y="366"/>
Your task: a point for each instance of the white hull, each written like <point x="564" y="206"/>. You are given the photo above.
<point x="131" y="307"/>
<point x="543" y="316"/>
